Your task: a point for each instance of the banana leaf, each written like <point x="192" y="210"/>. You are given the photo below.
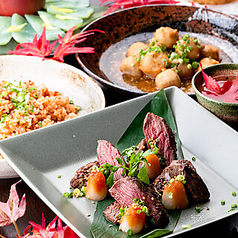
<point x="158" y="105"/>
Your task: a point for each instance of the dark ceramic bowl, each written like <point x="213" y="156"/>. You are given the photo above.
<point x="228" y="112"/>
<point x="125" y="27"/>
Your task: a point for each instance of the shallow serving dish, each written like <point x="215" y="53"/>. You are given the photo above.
<point x="40" y="156"/>
<point x="138" y="24"/>
<point x="224" y="110"/>
<point x="56" y="76"/>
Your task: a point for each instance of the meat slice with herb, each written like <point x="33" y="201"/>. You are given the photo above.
<point x="195" y="187"/>
<point x="80" y="178"/>
<point x="112" y="212"/>
<point x="125" y="190"/>
<point x="156" y="129"/>
<point x="107" y="153"/>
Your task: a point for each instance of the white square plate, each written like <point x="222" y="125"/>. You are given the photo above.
<point x="40" y="156"/>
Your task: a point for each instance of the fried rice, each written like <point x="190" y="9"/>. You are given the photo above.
<point x="26" y="107"/>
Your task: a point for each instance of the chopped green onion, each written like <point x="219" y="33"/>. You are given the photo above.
<point x="129" y="232"/>
<point x="68" y="195"/>
<point x="233" y="207"/>
<point x="198" y="209"/>
<point x="186" y="226"/>
<point x="223" y="202"/>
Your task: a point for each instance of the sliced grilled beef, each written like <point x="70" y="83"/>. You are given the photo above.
<point x="112" y="211"/>
<point x="142" y="145"/>
<point x="195" y="187"/>
<point x="107" y="153"/>
<point x="157" y="129"/>
<point x="80" y="178"/>
<point x="125" y="190"/>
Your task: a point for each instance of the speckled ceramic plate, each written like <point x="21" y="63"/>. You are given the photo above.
<point x="40" y="156"/>
<point x="138" y="24"/>
<point x="56" y="76"/>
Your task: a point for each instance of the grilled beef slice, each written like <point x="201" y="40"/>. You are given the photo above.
<point x="142" y="145"/>
<point x="80" y="178"/>
<point x="107" y="153"/>
<point x="125" y="190"/>
<point x="112" y="212"/>
<point x="195" y="187"/>
<point x="157" y="129"/>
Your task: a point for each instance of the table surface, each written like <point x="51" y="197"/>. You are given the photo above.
<point x="227" y="227"/>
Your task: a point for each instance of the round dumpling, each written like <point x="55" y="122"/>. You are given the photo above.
<point x="167" y="78"/>
<point x="131" y="66"/>
<point x="166" y="36"/>
<point x="153" y="63"/>
<point x="135" y="48"/>
<point x="210" y="51"/>
<point x="189" y="47"/>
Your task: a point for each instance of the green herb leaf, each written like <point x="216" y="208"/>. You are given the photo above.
<point x="142" y="175"/>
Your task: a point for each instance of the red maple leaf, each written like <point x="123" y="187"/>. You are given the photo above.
<point x="44" y="49"/>
<point x="229" y="88"/>
<point x="211" y="84"/>
<point x="41" y="47"/>
<point x="67" y="44"/>
<point x="54" y="229"/>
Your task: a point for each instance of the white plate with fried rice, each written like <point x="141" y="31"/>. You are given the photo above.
<point x="35" y="93"/>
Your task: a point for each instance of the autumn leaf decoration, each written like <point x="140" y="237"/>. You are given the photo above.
<point x="44" y="49"/>
<point x="12" y="209"/>
<point x="54" y="229"/>
<point x="229" y="88"/>
<point x="117" y="4"/>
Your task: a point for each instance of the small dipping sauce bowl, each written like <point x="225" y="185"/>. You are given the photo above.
<point x="227" y="111"/>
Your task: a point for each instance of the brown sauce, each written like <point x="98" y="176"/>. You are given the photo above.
<point x="111" y="59"/>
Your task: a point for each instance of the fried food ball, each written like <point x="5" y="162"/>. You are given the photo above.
<point x="167" y="78"/>
<point x="166" y="36"/>
<point x="189" y="46"/>
<point x="210" y="51"/>
<point x="135" y="48"/>
<point x="185" y="71"/>
<point x="131" y="66"/>
<point x="205" y="62"/>
<point x="153" y="63"/>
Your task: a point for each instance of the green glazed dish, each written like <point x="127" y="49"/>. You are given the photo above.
<point x="228" y="112"/>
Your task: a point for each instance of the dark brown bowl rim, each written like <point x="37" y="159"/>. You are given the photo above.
<point x="115" y="86"/>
